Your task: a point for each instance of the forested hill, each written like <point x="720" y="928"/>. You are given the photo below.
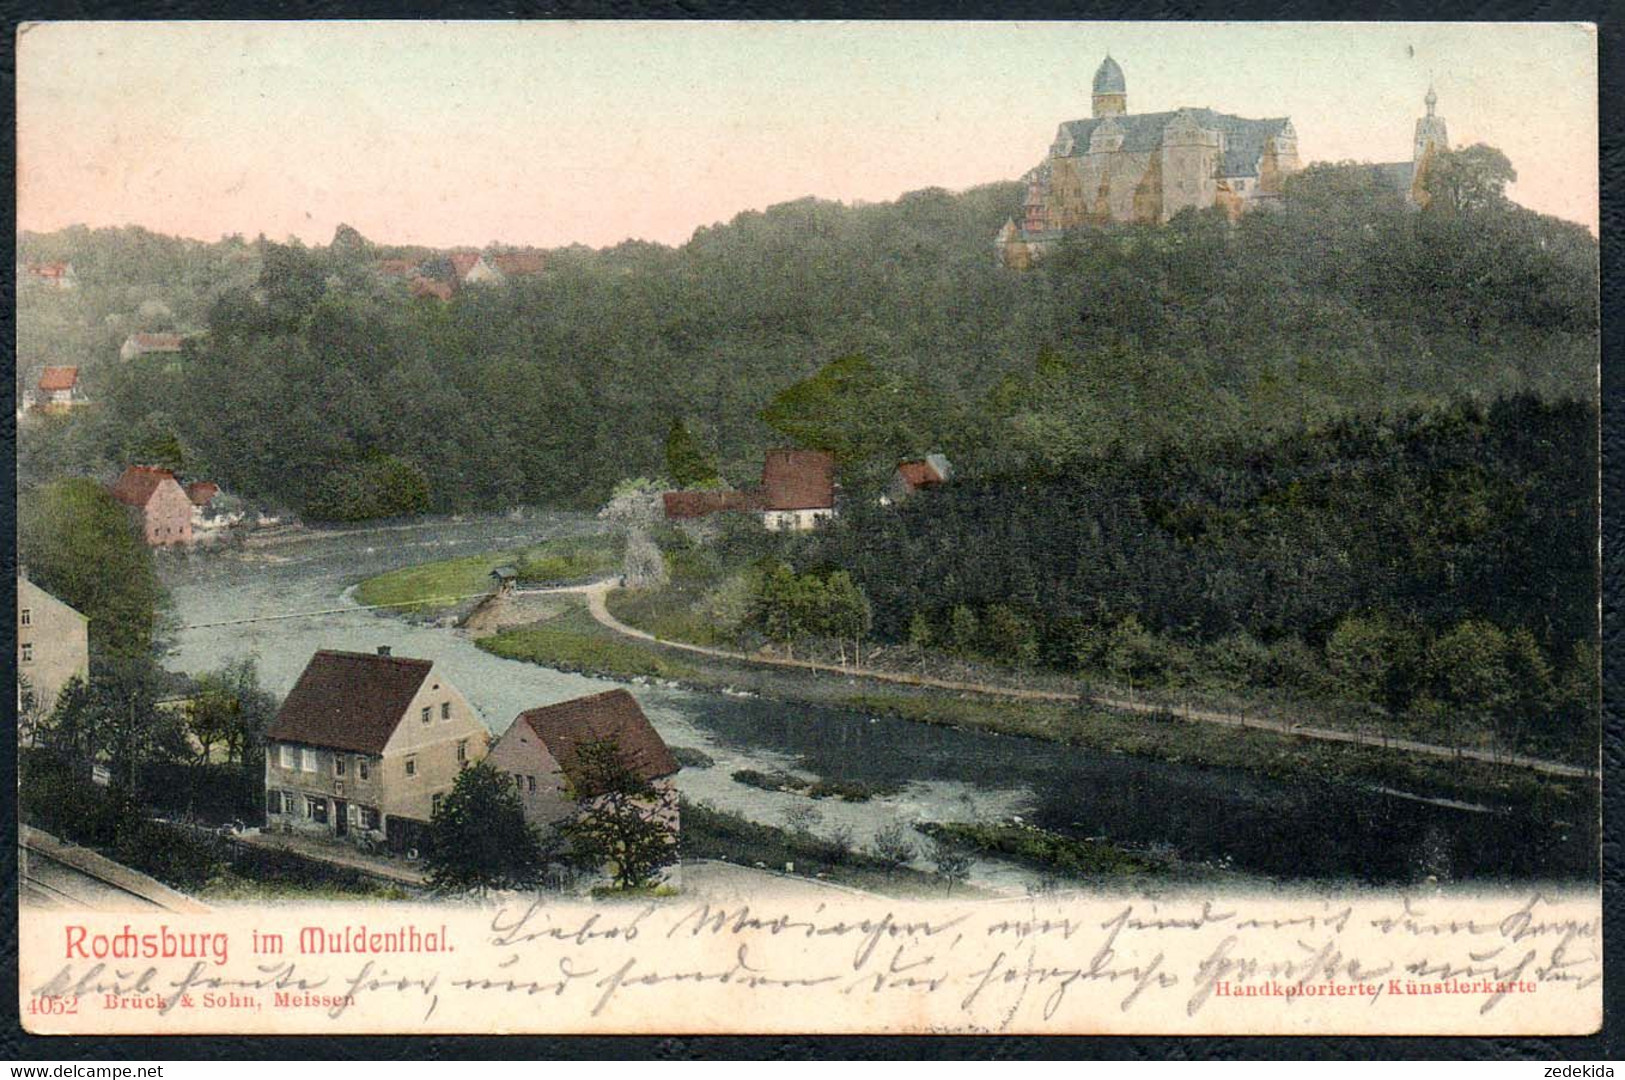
<point x="318" y="374"/>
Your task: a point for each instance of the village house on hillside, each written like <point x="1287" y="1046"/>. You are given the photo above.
<point x="158" y="502"/>
<point x="57" y="275"/>
<point x="59" y="389"/>
<point x="365" y="746"/>
<point x="53" y="644"/>
<point x="798" y="489"/>
<point x="473" y="269"/>
<point x="519" y="263"/>
<point x="797" y="492"/>
<point x="539" y="751"/>
<point x="140" y="344"/>
<point x="931" y="471"/>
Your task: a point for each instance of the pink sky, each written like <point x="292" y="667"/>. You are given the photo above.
<point x="557" y="133"/>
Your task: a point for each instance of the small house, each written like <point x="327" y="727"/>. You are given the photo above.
<point x="798" y="489"/>
<point x="366" y="745"/>
<point x="141" y="344"/>
<point x="930" y="471"/>
<point x="56" y="275"/>
<point x="159" y="504"/>
<point x="540" y="751"/>
<point x="503" y="579"/>
<point x="59" y="389"/>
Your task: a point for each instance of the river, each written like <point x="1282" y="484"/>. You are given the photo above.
<point x="1256" y="826"/>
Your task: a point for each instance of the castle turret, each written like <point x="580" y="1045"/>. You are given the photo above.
<point x="1111" y="90"/>
<point x="1431" y="134"/>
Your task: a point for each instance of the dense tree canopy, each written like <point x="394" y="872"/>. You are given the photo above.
<point x="876" y="331"/>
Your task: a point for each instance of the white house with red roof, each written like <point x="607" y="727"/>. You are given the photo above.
<point x="59" y="388"/>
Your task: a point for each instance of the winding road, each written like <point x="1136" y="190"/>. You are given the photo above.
<point x="597" y="592"/>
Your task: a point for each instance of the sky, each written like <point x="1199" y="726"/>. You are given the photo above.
<point x="548" y="134"/>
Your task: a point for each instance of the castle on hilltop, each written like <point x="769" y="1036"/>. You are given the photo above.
<point x="1119" y="166"/>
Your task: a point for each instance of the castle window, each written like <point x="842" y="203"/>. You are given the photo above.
<point x="361" y="767"/>
<point x="338" y="764"/>
<point x="445" y="710"/>
<point x="307" y="760"/>
<point x="411" y="766"/>
<point x="26" y="617"/>
<point x="28" y="652"/>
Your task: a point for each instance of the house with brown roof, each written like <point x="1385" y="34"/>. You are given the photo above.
<point x="797" y="492"/>
<point x="798" y="489"/>
<point x="540" y="751"/>
<point x="930" y="471"/>
<point x="59" y="389"/>
<point x="158" y="503"/>
<point x="365" y="746"/>
<point x="423" y="286"/>
<point x="58" y="275"/>
<point x="140" y="344"/>
<point x="519" y="263"/>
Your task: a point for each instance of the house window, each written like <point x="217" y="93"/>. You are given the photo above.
<point x="289" y="757"/>
<point x="361" y="767"/>
<point x="28" y="652"/>
<point x="425" y="714"/>
<point x="445" y="710"/>
<point x="338" y="764"/>
<point x="530" y="782"/>
<point x="411" y="766"/>
<point x="316" y="809"/>
<point x="369" y="817"/>
<point x="26" y="617"/>
<point x="307" y="760"/>
<point x="462" y="751"/>
<point x="273" y="802"/>
<point x="434" y="802"/>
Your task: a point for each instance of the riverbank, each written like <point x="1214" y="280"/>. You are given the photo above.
<point x="575" y="641"/>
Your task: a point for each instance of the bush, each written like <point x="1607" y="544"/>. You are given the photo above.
<point x="383" y="487"/>
<point x="183" y="858"/>
<point x="691" y="758"/>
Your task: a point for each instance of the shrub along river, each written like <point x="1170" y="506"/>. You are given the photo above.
<point x="1288" y="830"/>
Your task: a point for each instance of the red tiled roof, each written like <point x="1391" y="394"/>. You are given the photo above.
<point x="157" y="342"/>
<point x="50" y="270"/>
<point x="349" y="701"/>
<point x="611" y="716"/>
<point x="519" y="263"/>
<point x="59" y="378"/>
<point x="138" y="483"/>
<point x="696" y="504"/>
<point x="201" y="491"/>
<point x="463" y="261"/>
<point x="429" y="287"/>
<point x="798" y="480"/>
<point x="919" y="474"/>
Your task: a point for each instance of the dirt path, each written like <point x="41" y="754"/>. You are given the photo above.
<point x="597" y="592"/>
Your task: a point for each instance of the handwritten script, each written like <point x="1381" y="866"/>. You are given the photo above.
<point x="1357" y="963"/>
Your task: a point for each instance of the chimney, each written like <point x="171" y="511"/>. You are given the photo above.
<point x="383" y="650"/>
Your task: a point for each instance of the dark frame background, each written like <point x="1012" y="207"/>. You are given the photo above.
<point x="17" y="1045"/>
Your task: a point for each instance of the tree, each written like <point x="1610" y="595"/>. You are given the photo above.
<point x="1471" y="178"/>
<point x="621" y="821"/>
<point x="892" y="847"/>
<point x="479" y="838"/>
<point x="846" y="615"/>
<point x="688" y="463"/>
<point x="952" y="862"/>
<point x="79" y="545"/>
<point x="229" y="708"/>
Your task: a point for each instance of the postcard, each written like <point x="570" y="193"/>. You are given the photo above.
<point x="808" y="527"/>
